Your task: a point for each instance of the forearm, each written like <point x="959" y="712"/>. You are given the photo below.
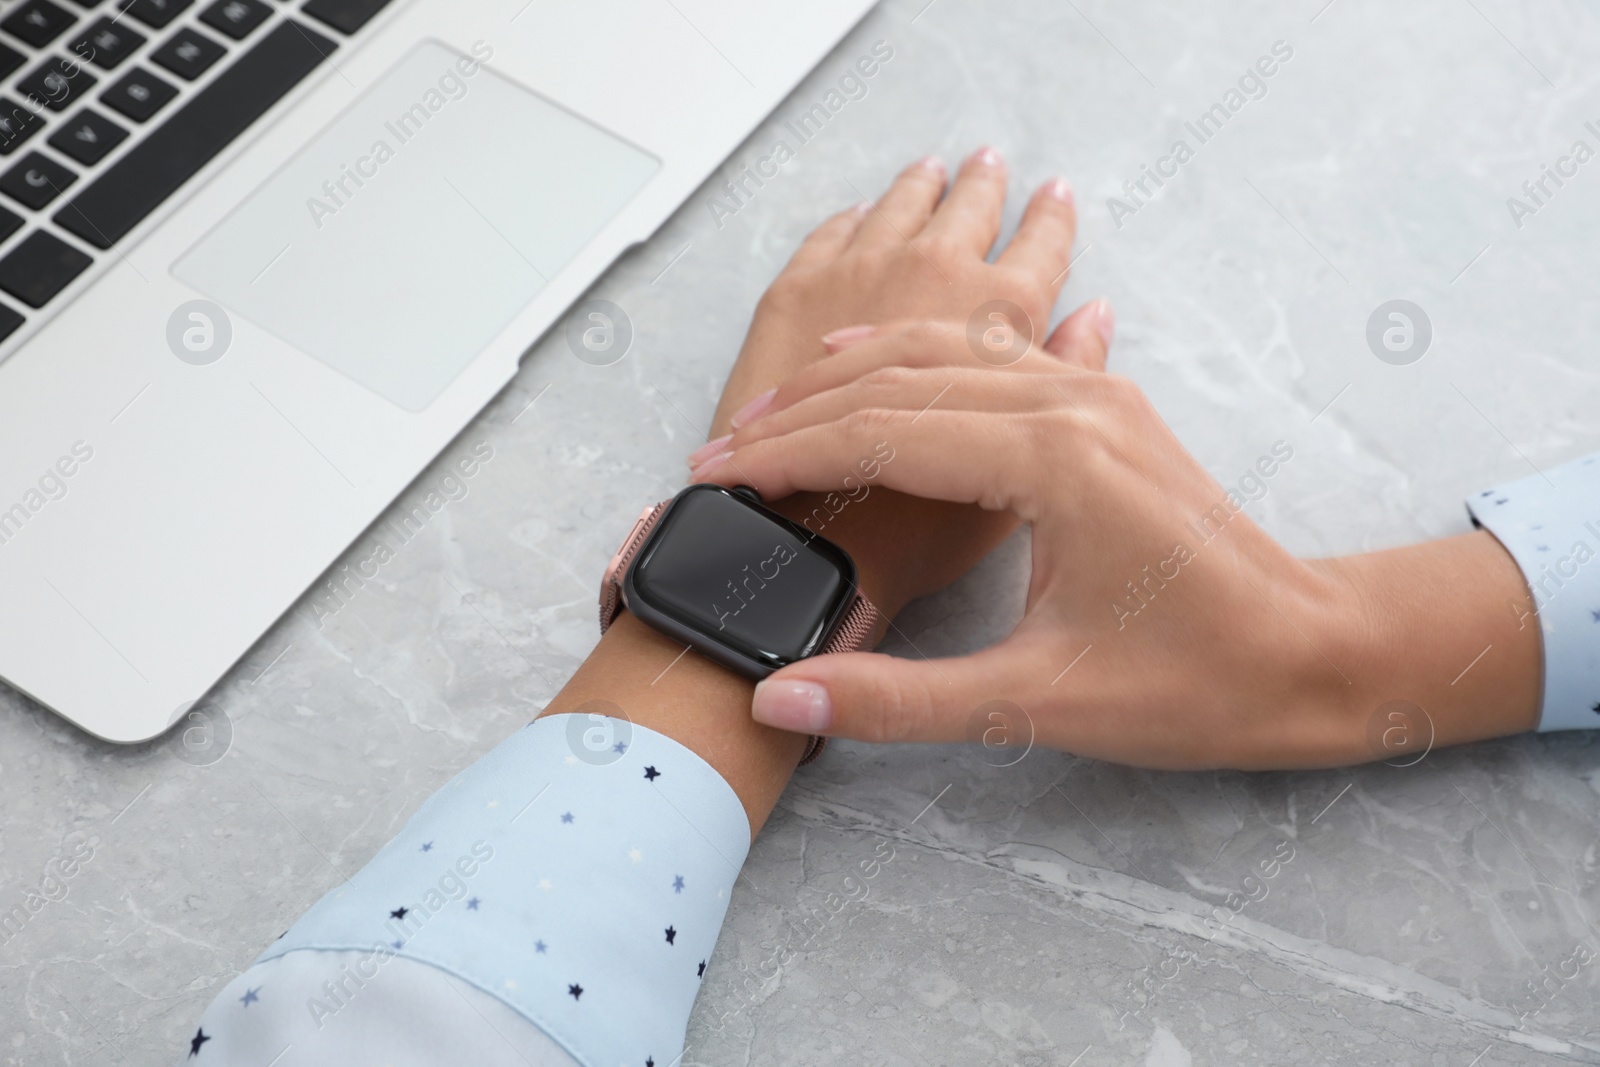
<point x="1447" y="625"/>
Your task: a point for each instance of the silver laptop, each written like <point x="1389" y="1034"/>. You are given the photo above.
<point x="262" y="260"/>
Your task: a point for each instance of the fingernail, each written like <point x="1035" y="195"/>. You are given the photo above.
<point x="709" y="467"/>
<point x="1105" y="320"/>
<point x="989" y="156"/>
<point x="848" y="336"/>
<point x="754" y="408"/>
<point x="707" y="450"/>
<point x="863" y="207"/>
<point x="1060" y="189"/>
<point x="931" y="163"/>
<point x="803" y="707"/>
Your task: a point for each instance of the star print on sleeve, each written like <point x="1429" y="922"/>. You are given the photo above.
<point x="200" y="1037"/>
<point x="481" y="913"/>
<point x="427" y="846"/>
<point x="250" y="997"/>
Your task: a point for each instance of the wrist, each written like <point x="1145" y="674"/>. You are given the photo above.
<point x="1435" y="646"/>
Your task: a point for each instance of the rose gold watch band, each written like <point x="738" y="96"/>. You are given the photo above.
<point x="853" y="634"/>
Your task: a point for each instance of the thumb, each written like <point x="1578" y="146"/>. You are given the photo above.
<point x="1084" y="336"/>
<point x="869" y="696"/>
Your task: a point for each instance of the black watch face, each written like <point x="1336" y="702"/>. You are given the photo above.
<point x="745" y="577"/>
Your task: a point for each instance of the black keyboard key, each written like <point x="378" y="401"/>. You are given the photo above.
<point x="347" y="16"/>
<point x="57" y="83"/>
<point x="9" y="321"/>
<point x="87" y="137"/>
<point x="40" y="267"/>
<point x="10" y="223"/>
<point x="188" y="54"/>
<point x="35" y="181"/>
<point x="18" y="122"/>
<point x="155" y="13"/>
<point x="138" y="95"/>
<point x="38" y="22"/>
<point x="154" y="168"/>
<point x="106" y="44"/>
<point x="236" y="18"/>
<point x="10" y="60"/>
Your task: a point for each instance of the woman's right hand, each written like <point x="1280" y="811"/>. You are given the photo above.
<point x="1163" y="627"/>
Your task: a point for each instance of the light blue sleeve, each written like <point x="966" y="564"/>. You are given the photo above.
<point x="1550" y="523"/>
<point x="572" y="880"/>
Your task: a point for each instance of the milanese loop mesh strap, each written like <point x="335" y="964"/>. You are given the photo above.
<point x="854" y="633"/>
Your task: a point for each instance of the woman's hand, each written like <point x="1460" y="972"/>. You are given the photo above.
<point x="918" y="253"/>
<point x="1163" y="627"/>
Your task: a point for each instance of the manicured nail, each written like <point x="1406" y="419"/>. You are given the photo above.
<point x="704" y="471"/>
<point x="931" y="163"/>
<point x="754" y="408"/>
<point x="1059" y="189"/>
<point x="863" y="207"/>
<point x="707" y="450"/>
<point x="840" y="339"/>
<point x="989" y="156"/>
<point x="803" y="707"/>
<point x="1105" y="320"/>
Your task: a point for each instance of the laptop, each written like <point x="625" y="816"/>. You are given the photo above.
<point x="263" y="260"/>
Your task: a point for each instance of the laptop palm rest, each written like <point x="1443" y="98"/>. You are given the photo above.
<point x="412" y="229"/>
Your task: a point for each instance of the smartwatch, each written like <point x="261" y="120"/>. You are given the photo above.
<point x="744" y="586"/>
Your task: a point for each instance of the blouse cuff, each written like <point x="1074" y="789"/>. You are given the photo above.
<point x="1550" y="523"/>
<point x="579" y="873"/>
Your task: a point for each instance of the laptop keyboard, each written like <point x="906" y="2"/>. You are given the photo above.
<point x="104" y="114"/>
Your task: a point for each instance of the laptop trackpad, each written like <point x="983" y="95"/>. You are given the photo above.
<point x="407" y="233"/>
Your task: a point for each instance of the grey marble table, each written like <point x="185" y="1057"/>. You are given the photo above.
<point x="1047" y="912"/>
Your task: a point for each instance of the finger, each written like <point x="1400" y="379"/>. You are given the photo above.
<point x="910" y="390"/>
<point x="1085" y="336"/>
<point x="918" y="344"/>
<point x="961" y="456"/>
<point x="902" y="212"/>
<point x="873" y="697"/>
<point x="969" y="218"/>
<point x="823" y="244"/>
<point x="1042" y="244"/>
<point x="839" y="340"/>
